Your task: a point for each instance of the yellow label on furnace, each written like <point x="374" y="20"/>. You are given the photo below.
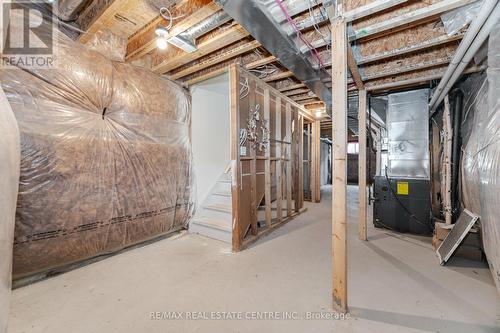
<point x="403" y="188"/>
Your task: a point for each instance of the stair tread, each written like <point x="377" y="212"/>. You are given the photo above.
<point x="212" y="222"/>
<point x="220" y="207"/>
<point x="222" y="193"/>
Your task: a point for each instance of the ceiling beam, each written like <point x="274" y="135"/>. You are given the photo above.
<point x="228" y="54"/>
<point x="409" y="69"/>
<point x="122" y="17"/>
<point x="261" y="62"/>
<point x="217" y="42"/>
<point x="438" y="41"/>
<point x="279" y="76"/>
<point x="293" y="86"/>
<point x="406" y="20"/>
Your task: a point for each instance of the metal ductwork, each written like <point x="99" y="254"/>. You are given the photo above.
<point x="68" y="10"/>
<point x="187" y="39"/>
<point x="258" y="21"/>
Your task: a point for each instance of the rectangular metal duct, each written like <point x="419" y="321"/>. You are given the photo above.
<point x="408" y="134"/>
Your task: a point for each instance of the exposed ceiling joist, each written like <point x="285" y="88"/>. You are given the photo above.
<point x="293" y="86"/>
<point x="225" y="38"/>
<point x="279" y="76"/>
<point x="144" y="41"/>
<point x="122" y="17"/>
<point x="406" y="20"/>
<point x="261" y="62"/>
<point x="441" y="40"/>
<point x="231" y="53"/>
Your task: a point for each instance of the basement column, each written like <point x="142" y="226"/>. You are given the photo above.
<point x="362" y="165"/>
<point x="316" y="162"/>
<point x="339" y="165"/>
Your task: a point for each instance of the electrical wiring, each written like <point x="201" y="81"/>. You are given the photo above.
<point x="292" y="23"/>
<point x="245" y="89"/>
<point x="316" y="24"/>
<point x="167" y="15"/>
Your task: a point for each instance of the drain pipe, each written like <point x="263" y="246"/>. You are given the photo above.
<point x="458" y="97"/>
<point x="466" y="50"/>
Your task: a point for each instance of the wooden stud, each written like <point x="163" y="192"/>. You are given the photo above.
<point x="279" y="163"/>
<point x="448" y="134"/>
<point x="267" y="163"/>
<point x="253" y="167"/>
<point x="339" y="165"/>
<point x="362" y="165"/>
<point x="316" y="162"/>
<point x="288" y="163"/>
<point x="234" y="78"/>
<point x="297" y="159"/>
<point x="300" y="158"/>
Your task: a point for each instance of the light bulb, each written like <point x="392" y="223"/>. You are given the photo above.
<point x="161" y="43"/>
<point x="319" y="114"/>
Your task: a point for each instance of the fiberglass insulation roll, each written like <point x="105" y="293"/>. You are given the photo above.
<point x="106" y="158"/>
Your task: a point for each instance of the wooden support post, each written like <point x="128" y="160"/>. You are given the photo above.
<point x="288" y="162"/>
<point x="235" y="154"/>
<point x="267" y="165"/>
<point x="253" y="168"/>
<point x="378" y="156"/>
<point x="295" y="158"/>
<point x="279" y="162"/>
<point x="362" y="164"/>
<point x="339" y="165"/>
<point x="316" y="162"/>
<point x="447" y="159"/>
<point x="300" y="158"/>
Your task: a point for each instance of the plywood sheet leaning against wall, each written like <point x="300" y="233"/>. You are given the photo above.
<point x="266" y="157"/>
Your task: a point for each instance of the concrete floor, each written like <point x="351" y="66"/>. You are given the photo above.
<point x="395" y="285"/>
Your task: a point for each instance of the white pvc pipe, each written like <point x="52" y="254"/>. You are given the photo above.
<point x="464" y="46"/>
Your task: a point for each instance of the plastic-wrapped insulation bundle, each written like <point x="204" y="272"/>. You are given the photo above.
<point x="481" y="154"/>
<point x="9" y="180"/>
<point x="106" y="158"/>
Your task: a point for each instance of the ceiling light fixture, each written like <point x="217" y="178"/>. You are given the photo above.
<point x="319" y="114"/>
<point x="161" y="43"/>
<point x="161" y="33"/>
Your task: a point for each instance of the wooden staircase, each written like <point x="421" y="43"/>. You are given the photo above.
<point x="214" y="216"/>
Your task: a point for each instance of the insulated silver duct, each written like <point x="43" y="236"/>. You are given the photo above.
<point x="187" y="39"/>
<point x="68" y="10"/>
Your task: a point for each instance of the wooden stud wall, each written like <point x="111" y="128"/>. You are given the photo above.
<point x="268" y="184"/>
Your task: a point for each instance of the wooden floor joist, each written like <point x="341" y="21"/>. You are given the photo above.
<point x="261" y="62"/>
<point x="293" y="86"/>
<point x="216" y="60"/>
<point x="409" y="69"/>
<point x="441" y="40"/>
<point x="279" y="76"/>
<point x="225" y="38"/>
<point x="407" y="20"/>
